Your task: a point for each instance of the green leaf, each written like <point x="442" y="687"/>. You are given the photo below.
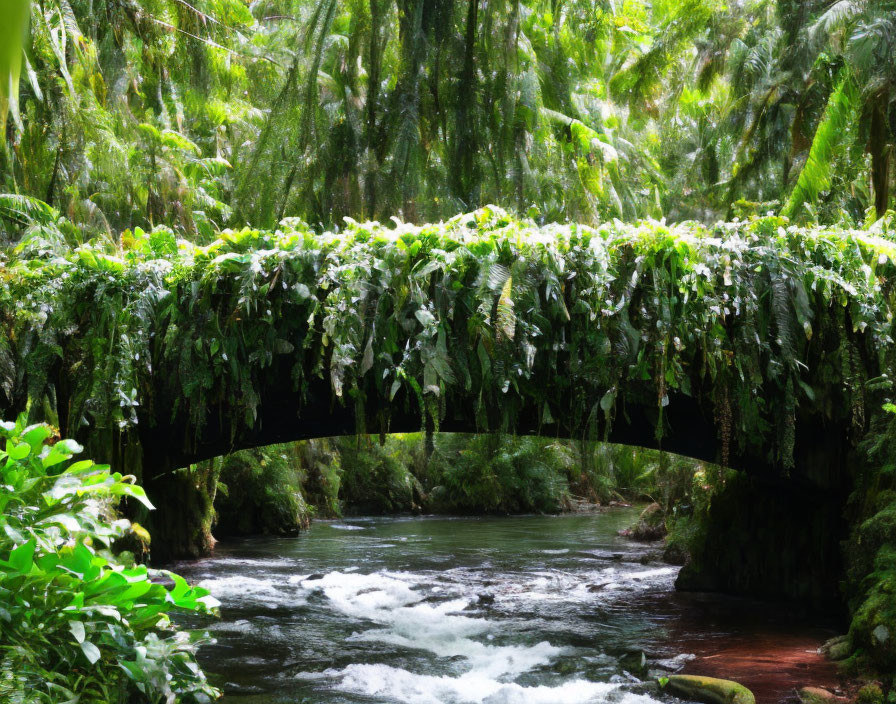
<point x="35" y="435"/>
<point x="91" y="652"/>
<point x="132" y="490"/>
<point x="22" y="558"/>
<point x="13" y="30"/>
<point x="17" y="452"/>
<point x="82" y="466"/>
<point x="78" y="631"/>
<point x="609" y="398"/>
<point x="60" y="452"/>
<point x="826" y="145"/>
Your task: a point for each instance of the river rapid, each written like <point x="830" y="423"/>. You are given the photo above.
<point x="525" y="610"/>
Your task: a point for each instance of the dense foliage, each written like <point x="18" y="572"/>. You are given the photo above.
<point x="474" y="316"/>
<point x="78" y="624"/>
<point x="220" y="112"/>
<point x="174" y="121"/>
<point x="281" y="486"/>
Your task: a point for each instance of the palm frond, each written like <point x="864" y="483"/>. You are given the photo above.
<point x="815" y="176"/>
<point x="25" y="210"/>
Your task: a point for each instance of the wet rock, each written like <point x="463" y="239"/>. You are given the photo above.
<point x="597" y="587"/>
<point x="817" y="695"/>
<point x="709" y="690"/>
<point x="486" y="599"/>
<point x="634" y="663"/>
<point x="314" y="577"/>
<point x="675" y="554"/>
<point x="651" y="524"/>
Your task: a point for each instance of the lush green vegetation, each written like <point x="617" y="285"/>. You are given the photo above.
<point x="282" y="486"/>
<point x="422" y="320"/>
<point x="213" y="113"/>
<point x="140" y="312"/>
<point x="78" y="623"/>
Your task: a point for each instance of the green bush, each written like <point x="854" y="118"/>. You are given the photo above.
<point x="260" y="492"/>
<point x="320" y="467"/>
<point x="499" y="474"/>
<point x="377" y="478"/>
<point x="78" y="624"/>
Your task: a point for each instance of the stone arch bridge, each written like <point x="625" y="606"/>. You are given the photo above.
<point x="758" y="345"/>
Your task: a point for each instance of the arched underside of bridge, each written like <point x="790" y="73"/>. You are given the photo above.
<point x="759" y="346"/>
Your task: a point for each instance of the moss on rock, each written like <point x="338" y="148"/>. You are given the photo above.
<point x="870" y="694"/>
<point x="709" y="689"/>
<point x="872" y="579"/>
<point x="651" y="524"/>
<point x="838" y="648"/>
<point x="817" y="695"/>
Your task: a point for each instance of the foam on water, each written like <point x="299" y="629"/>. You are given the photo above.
<point x="473" y="687"/>
<point x="404" y="619"/>
<point x="264" y="592"/>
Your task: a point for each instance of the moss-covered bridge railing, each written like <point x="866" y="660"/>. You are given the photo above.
<point x="758" y="344"/>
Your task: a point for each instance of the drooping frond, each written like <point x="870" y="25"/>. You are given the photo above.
<point x="12" y="33"/>
<point x="25" y="210"/>
<point x="815" y="176"/>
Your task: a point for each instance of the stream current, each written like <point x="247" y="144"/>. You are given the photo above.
<point x="525" y="610"/>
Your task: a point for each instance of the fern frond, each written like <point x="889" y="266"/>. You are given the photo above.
<point x="25" y="210"/>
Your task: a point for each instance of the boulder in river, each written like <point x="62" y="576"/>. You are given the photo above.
<point x="651" y="524"/>
<point x="817" y="695"/>
<point x="708" y="689"/>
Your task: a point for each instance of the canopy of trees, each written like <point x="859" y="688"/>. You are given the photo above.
<point x="216" y="113"/>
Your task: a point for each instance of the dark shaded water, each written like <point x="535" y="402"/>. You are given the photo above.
<point x="528" y="610"/>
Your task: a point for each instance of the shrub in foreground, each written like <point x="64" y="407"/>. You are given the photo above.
<point x="78" y="624"/>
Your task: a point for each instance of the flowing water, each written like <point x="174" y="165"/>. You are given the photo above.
<point x="528" y="610"/>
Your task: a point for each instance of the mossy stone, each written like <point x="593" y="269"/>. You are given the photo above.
<point x="709" y="689"/>
<point x="838" y="648"/>
<point x="870" y="694"/>
<point x="817" y="695"/>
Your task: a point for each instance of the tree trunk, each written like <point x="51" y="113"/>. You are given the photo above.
<point x="180" y="526"/>
<point x="879" y="148"/>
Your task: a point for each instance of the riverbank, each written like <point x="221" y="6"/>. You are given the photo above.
<point x="764" y="647"/>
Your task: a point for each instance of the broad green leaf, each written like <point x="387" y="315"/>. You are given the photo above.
<point x="91" y="652"/>
<point x="13" y="30"/>
<point x="17" y="452"/>
<point x="77" y="629"/>
<point x="22" y="557"/>
<point x="36" y="435"/>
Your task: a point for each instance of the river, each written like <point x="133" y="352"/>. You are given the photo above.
<point x="524" y="610"/>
